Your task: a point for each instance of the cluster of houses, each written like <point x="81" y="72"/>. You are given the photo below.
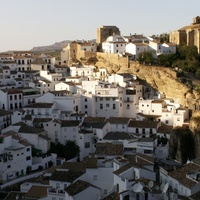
<point x="136" y="44"/>
<point x="121" y="126"/>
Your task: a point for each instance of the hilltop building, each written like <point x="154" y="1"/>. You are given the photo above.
<point x="187" y="35"/>
<point x="104" y="32"/>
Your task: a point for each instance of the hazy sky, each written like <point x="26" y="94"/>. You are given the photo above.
<point x="28" y="23"/>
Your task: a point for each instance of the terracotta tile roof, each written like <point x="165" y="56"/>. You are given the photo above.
<point x="52" y="169"/>
<point x="112" y="196"/>
<point x="37" y="191"/>
<point x="98" y="125"/>
<point x="35" y="120"/>
<point x="143" y="124"/>
<point x="30" y="129"/>
<point x="165" y="129"/>
<point x="4" y="112"/>
<point x="122" y="169"/>
<point x="118" y="136"/>
<point x="12" y="91"/>
<point x="94" y="119"/>
<point x="118" y="120"/>
<point x="39" y="105"/>
<point x="180" y="174"/>
<point x="66" y="176"/>
<point x="77" y="187"/>
<point x="67" y="123"/>
<point x="73" y="166"/>
<point x="39" y="61"/>
<point x="44" y="137"/>
<point x="109" y="149"/>
<point x="140" y="159"/>
<point x="140" y="44"/>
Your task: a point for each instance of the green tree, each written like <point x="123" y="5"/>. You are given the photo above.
<point x="166" y="60"/>
<point x="146" y="57"/>
<point x="71" y="149"/>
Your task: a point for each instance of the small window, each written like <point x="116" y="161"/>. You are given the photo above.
<point x="28" y="158"/>
<point x="94" y="177"/>
<point x="28" y="149"/>
<point x="107" y="105"/>
<point x="87" y="144"/>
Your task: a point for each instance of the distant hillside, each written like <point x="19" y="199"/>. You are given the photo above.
<point x="56" y="46"/>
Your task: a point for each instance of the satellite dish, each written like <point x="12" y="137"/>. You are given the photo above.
<point x="165" y="187"/>
<point x="137" y="187"/>
<point x="150" y="184"/>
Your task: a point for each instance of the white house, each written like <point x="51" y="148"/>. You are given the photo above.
<point x="136" y="48"/>
<point x="184" y="180"/>
<point x="15" y="156"/>
<point x="114" y="44"/>
<point x="62" y="130"/>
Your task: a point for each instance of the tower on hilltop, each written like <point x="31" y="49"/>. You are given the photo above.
<point x="104" y="32"/>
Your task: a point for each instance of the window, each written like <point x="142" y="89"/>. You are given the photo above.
<point x="15" y="97"/>
<point x="85" y="99"/>
<point x="166" y="121"/>
<point x="101" y="106"/>
<point x="114" y="106"/>
<point x="10" y="98"/>
<point x="107" y="105"/>
<point x="86" y="106"/>
<point x="105" y="191"/>
<point x="9" y="166"/>
<point x="28" y="149"/>
<point x="128" y="107"/>
<point x="94" y="177"/>
<point x="101" y="98"/>
<point x="87" y="144"/>
<point x="28" y="158"/>
<point x="178" y="119"/>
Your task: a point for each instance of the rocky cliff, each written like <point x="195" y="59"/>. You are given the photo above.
<point x="162" y="79"/>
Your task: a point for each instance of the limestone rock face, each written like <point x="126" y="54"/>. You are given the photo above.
<point x="162" y="79"/>
<point x="195" y="128"/>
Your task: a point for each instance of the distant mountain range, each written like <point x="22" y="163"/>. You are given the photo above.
<point x="58" y="46"/>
